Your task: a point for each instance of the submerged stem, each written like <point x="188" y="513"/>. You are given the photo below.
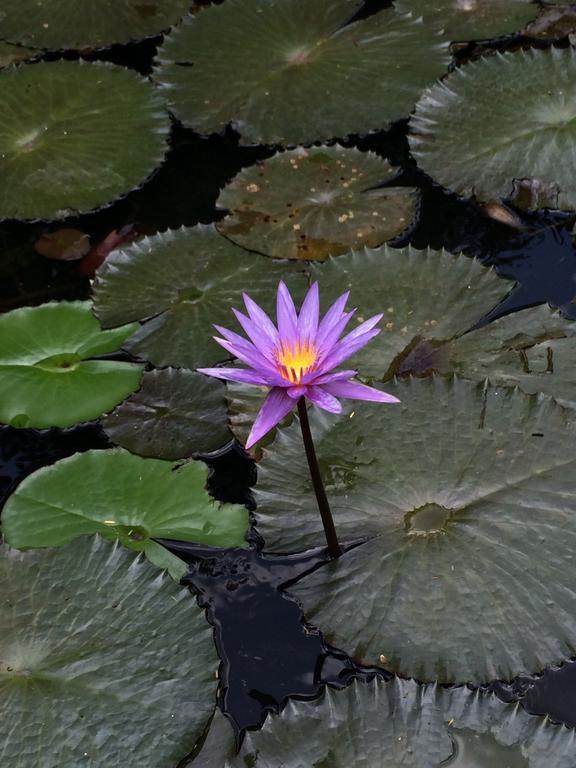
<point x="323" y="506"/>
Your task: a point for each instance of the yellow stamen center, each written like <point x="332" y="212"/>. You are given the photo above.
<point x="296" y="361"/>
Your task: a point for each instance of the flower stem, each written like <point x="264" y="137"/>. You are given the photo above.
<point x="323" y="506"/>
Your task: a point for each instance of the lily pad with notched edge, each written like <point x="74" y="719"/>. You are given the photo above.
<point x="182" y="282"/>
<point x="124" y="497"/>
<point x="46" y="376"/>
<point x="64" y="24"/>
<point x="317" y="202"/>
<point x="400" y="724"/>
<point x="504" y="117"/>
<point x="75" y="137"/>
<point x="175" y="414"/>
<point x="294" y="71"/>
<point x="92" y="641"/>
<point x="469" y="494"/>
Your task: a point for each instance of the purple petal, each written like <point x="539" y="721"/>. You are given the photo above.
<point x="247" y="354"/>
<point x="261" y="341"/>
<point x="323" y="399"/>
<point x="356" y="391"/>
<point x="277" y="405"/>
<point x="236" y="374"/>
<point x="309" y="315"/>
<point x="331" y="317"/>
<point x="235" y="338"/>
<point x="333" y="333"/>
<point x="328" y="377"/>
<point x="296" y="392"/>
<point x="286" y="315"/>
<point x="261" y="319"/>
<point x="364" y="327"/>
<point x="345" y="349"/>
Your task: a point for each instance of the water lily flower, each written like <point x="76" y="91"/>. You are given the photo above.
<point x="298" y="357"/>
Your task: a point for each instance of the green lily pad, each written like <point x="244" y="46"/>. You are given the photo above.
<point x="46" y="378"/>
<point x="92" y="642"/>
<point x="468" y="492"/>
<point x="472" y="19"/>
<point x="174" y="414"/>
<point x="124" y="497"/>
<point x="467" y="135"/>
<point x="75" y="137"/>
<point x="317" y="202"/>
<point x="296" y="72"/>
<point x="182" y="282"/>
<point x="400" y="724"/>
<point x="423" y="294"/>
<point x="63" y="24"/>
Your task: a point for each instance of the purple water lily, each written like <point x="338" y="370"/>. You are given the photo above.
<point x="297" y="359"/>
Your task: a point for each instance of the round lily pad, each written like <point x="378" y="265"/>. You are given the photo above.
<point x="182" y="282"/>
<point x="92" y="642"/>
<point x="468" y="494"/>
<point x="472" y="19"/>
<point x="174" y="414"/>
<point x="46" y="376"/>
<point x="294" y="72"/>
<point x="124" y="497"/>
<point x="317" y="202"/>
<point x="80" y="24"/>
<point x="466" y="134"/>
<point x="75" y="137"/>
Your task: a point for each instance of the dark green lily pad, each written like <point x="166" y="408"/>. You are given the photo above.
<point x="402" y="724"/>
<point x="317" y="202"/>
<point x="124" y="497"/>
<point x="59" y="24"/>
<point x="469" y="494"/>
<point x="472" y="19"/>
<point x="182" y="282"/>
<point x="174" y="414"/>
<point x="75" y="137"/>
<point x="468" y="136"/>
<point x="46" y="378"/>
<point x="92" y="642"/>
<point x="296" y="72"/>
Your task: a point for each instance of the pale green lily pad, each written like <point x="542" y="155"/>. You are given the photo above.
<point x="467" y="135"/>
<point x="103" y="661"/>
<point x="58" y="24"/>
<point x="175" y="414"/>
<point x="472" y="19"/>
<point x="124" y="497"/>
<point x="13" y="54"/>
<point x="46" y="376"/>
<point x="75" y="137"/>
<point x="314" y="203"/>
<point x="423" y="294"/>
<point x="182" y="282"/>
<point x="296" y="72"/>
<point x="469" y="494"/>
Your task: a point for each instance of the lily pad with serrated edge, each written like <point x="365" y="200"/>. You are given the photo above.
<point x="175" y="414"/>
<point x="46" y="376"/>
<point x="294" y="71"/>
<point x="468" y="494"/>
<point x="467" y="135"/>
<point x="65" y="24"/>
<point x="124" y="497"/>
<point x="472" y="19"/>
<point x="400" y="724"/>
<point x="92" y="641"/>
<point x="182" y="282"/>
<point x="75" y="136"/>
<point x="317" y="202"/>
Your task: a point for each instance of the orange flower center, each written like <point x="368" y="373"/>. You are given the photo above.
<point x="295" y="361"/>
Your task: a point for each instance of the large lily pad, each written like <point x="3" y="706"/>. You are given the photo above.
<point x="174" y="414"/>
<point x="313" y="203"/>
<point x="183" y="282"/>
<point x="400" y="724"/>
<point x="293" y="72"/>
<point x="468" y="136"/>
<point x="92" y="642"/>
<point x="46" y="376"/>
<point x="86" y="23"/>
<point x="469" y="494"/>
<point x="472" y="19"/>
<point x="124" y="497"/>
<point x="74" y="137"/>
